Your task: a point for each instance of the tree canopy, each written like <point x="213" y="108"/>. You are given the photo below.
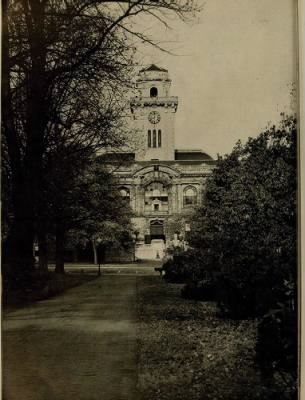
<point x="66" y="68"/>
<point x="245" y="238"/>
<point x="247" y="225"/>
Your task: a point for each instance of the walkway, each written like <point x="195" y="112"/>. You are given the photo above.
<point x="80" y="345"/>
<point x="143" y="267"/>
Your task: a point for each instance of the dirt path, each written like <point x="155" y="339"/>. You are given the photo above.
<point x="80" y="345"/>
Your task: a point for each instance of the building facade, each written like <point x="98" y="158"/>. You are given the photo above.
<point x="162" y="184"/>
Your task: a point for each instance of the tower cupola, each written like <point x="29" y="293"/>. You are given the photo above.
<point x="154" y="111"/>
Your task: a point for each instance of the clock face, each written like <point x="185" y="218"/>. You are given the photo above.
<point x="154" y="117"/>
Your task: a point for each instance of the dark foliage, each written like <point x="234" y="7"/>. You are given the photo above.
<point x="184" y="268"/>
<point x="175" y="270"/>
<point x="246" y="231"/>
<point x="277" y="348"/>
<point x="206" y="290"/>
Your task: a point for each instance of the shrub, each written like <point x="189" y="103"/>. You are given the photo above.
<point x="277" y="348"/>
<point x="247" y="221"/>
<point x="185" y="268"/>
<point x="205" y="290"/>
<point x="176" y="270"/>
<point x="236" y="298"/>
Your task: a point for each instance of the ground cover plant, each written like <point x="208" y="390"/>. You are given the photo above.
<point x="188" y="352"/>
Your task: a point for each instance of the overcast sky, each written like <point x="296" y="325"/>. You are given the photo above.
<point x="234" y="70"/>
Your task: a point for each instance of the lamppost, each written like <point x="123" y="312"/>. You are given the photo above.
<point x="98" y="241"/>
<point x="134" y="240"/>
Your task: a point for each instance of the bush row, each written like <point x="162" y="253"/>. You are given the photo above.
<point x="255" y="297"/>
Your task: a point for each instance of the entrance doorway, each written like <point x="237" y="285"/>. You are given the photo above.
<point x="157" y="239"/>
<point x="157" y="230"/>
<point x="153" y="247"/>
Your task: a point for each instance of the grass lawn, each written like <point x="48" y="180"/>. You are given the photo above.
<point x="186" y="352"/>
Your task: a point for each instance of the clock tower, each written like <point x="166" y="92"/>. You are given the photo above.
<point x="153" y="111"/>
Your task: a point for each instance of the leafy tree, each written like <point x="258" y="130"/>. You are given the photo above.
<point x="107" y="217"/>
<point x="247" y="225"/>
<point x="85" y="206"/>
<point x="247" y="231"/>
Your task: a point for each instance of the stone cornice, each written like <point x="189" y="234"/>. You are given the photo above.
<point x="168" y="102"/>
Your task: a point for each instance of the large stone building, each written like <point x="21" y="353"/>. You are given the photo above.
<point x="163" y="184"/>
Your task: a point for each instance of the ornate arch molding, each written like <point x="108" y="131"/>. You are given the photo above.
<point x="158" y="172"/>
<point x="147" y="180"/>
<point x="162" y="168"/>
<point x="191" y="187"/>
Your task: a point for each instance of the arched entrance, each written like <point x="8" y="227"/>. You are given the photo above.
<point x="157" y="230"/>
<point x="157" y="238"/>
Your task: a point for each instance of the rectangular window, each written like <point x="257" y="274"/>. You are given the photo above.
<point x="159" y="138"/>
<point x="149" y="138"/>
<point x="154" y="138"/>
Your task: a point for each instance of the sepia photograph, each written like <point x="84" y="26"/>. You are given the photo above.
<point x="150" y="200"/>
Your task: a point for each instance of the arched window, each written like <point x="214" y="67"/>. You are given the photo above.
<point x="159" y="138"/>
<point x="153" y="92"/>
<point x="190" y="196"/>
<point x="125" y="194"/>
<point x="149" y="138"/>
<point x="154" y="138"/>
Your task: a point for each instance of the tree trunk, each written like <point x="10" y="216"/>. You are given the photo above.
<point x="20" y="248"/>
<point x="102" y="253"/>
<point x="60" y="245"/>
<point x="20" y="242"/>
<point x="43" y="249"/>
<point x="27" y="168"/>
<point x="95" y="255"/>
<point x="21" y="235"/>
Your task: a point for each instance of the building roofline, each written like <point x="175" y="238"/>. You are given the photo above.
<point x="192" y="152"/>
<point x="153" y="67"/>
<point x="208" y="160"/>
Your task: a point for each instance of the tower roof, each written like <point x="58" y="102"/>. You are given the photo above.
<point x="153" y="67"/>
